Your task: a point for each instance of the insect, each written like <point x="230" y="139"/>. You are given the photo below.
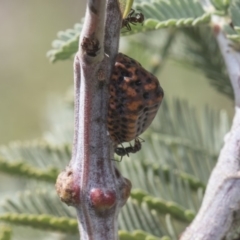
<point x="132" y="18"/>
<point x="135" y="97"/>
<point x="91" y="46"/>
<point x="131" y="149"/>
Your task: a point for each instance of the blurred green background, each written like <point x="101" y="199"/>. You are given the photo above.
<point x="28" y="79"/>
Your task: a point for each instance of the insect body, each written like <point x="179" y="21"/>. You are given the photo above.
<point x="132" y="18"/>
<point x="131" y="149"/>
<point x="135" y="97"/>
<point x="90" y="46"/>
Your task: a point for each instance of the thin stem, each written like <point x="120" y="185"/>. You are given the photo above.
<point x="218" y="216"/>
<point x="91" y="183"/>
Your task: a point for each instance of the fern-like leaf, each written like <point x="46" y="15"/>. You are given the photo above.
<point x="177" y="13"/>
<point x="22" y="169"/>
<point x="201" y="52"/>
<point x="158" y="14"/>
<point x="42" y="221"/>
<point x="179" y="151"/>
<point x="234" y="14"/>
<point x="37" y="153"/>
<point x="138" y="235"/>
<point x="38" y="202"/>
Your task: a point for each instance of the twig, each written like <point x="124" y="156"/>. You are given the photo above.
<point x="218" y="217"/>
<point x="91" y="183"/>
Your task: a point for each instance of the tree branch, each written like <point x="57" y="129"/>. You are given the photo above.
<point x="91" y="183"/>
<point x="218" y="217"/>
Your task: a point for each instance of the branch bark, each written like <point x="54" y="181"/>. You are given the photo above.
<point x="218" y="217"/>
<point x="91" y="183"/>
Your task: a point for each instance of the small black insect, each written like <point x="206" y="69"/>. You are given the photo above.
<point x="132" y="18"/>
<point x="131" y="149"/>
<point x="91" y="46"/>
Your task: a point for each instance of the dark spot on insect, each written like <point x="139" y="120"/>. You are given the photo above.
<point x="110" y="123"/>
<point x="156" y="105"/>
<point x="136" y="71"/>
<point x="132" y="84"/>
<point x="113" y="113"/>
<point x="159" y="92"/>
<point x="121" y="111"/>
<point x="123" y="125"/>
<point x="122" y="99"/>
<point x="120" y="78"/>
<point x="124" y="131"/>
<point x="140" y="107"/>
<point x="146" y="95"/>
<point x="124" y="119"/>
<point x="127" y="74"/>
<point x="139" y="128"/>
<point x="145" y="109"/>
<point x="137" y="90"/>
<point x="122" y="135"/>
<point x="118" y="91"/>
<point x="149" y="80"/>
<point x="138" y="82"/>
<point x="120" y="106"/>
<point x="115" y="126"/>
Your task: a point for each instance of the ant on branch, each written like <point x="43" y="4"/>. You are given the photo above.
<point x="132" y="18"/>
<point x="90" y="46"/>
<point x="131" y="149"/>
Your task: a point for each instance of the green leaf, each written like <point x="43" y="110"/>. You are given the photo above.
<point x="221" y="5"/>
<point x="178" y="13"/>
<point x="5" y="232"/>
<point x="234" y="11"/>
<point x="38" y="154"/>
<point x="168" y="175"/>
<point x="42" y="221"/>
<point x="158" y="14"/>
<point x="163" y="207"/>
<point x="191" y="144"/>
<point x="135" y="216"/>
<point x="200" y="50"/>
<point x="35" y="202"/>
<point x="138" y="235"/>
<point x="22" y="169"/>
<point x="126" y="6"/>
<point x="66" y="45"/>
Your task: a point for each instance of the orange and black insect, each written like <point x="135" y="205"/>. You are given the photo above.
<point x="135" y="97"/>
<point x="132" y="18"/>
